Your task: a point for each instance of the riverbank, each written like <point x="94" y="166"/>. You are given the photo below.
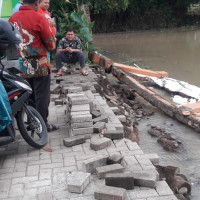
<point x="28" y="173"/>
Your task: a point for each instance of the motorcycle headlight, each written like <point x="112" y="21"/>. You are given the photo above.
<point x="23" y="85"/>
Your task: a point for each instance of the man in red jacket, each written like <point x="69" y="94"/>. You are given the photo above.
<point x="33" y="60"/>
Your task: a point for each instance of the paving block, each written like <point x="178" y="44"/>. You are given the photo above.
<point x="81" y="125"/>
<point x="75" y="140"/>
<point x="91" y="164"/>
<point x="95" y="114"/>
<point x="100" y="143"/>
<point x="74" y="89"/>
<point x="163" y="188"/>
<point x="82" y="131"/>
<point x="121" y="118"/>
<point x="114" y="134"/>
<point x="145" y="178"/>
<point x="80" y="113"/>
<point x="77" y="181"/>
<point x="81" y="118"/>
<point x="103" y="118"/>
<point x="58" y="102"/>
<point x="78" y="100"/>
<point x="121" y="180"/>
<point x="114" y="109"/>
<point x="98" y="127"/>
<point x="55" y="89"/>
<point x="78" y="108"/>
<point x="115" y="158"/>
<point x="107" y="193"/>
<point x="103" y="170"/>
<point x="74" y="95"/>
<point x="154" y="158"/>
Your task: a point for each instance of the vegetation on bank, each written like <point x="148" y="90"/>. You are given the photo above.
<point x="123" y="15"/>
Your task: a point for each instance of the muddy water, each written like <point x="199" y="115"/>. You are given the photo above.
<point x="177" y="52"/>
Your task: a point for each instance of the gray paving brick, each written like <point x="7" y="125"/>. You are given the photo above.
<point x="20" y="167"/>
<point x="91" y="164"/>
<point x="82" y="125"/>
<point x="154" y="158"/>
<point x="77" y="181"/>
<point x="114" y="168"/>
<point x="171" y="197"/>
<point x="82" y="131"/>
<point x="114" y="134"/>
<point x="75" y="140"/>
<point x="145" y="178"/>
<point x="121" y="118"/>
<point x="78" y="108"/>
<point x="5" y="185"/>
<point x="81" y="118"/>
<point x="103" y="118"/>
<point x="80" y="113"/>
<point x="163" y="189"/>
<point x="98" y="127"/>
<point x="122" y="180"/>
<point x="69" y="161"/>
<point x="45" y="174"/>
<point x="16" y="190"/>
<point x="107" y="193"/>
<point x="139" y="194"/>
<point x="12" y="175"/>
<point x="100" y="143"/>
<point x="24" y="180"/>
<point x="74" y="89"/>
<point x="33" y="170"/>
<point x="78" y="100"/>
<point x="38" y="184"/>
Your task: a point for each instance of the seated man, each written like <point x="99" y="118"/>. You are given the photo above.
<point x="69" y="51"/>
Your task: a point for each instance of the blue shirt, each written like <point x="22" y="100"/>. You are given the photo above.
<point x="16" y="8"/>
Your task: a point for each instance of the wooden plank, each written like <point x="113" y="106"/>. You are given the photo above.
<point x="158" y="74"/>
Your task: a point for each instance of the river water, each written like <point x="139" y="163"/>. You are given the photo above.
<point x="178" y="53"/>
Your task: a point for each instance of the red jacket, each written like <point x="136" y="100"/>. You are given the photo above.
<point x="38" y="39"/>
<point x="45" y="12"/>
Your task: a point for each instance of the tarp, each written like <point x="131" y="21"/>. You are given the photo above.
<point x="5" y="109"/>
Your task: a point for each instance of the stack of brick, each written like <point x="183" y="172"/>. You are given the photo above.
<point x="78" y="110"/>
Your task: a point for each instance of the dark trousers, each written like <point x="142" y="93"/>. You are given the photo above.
<point x="41" y="94"/>
<point x="76" y="57"/>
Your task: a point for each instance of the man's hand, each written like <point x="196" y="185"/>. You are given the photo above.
<point x="51" y="22"/>
<point x="69" y="50"/>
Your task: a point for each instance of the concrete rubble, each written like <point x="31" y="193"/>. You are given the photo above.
<point x="90" y="158"/>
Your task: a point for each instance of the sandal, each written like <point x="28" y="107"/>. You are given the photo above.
<point x="52" y="127"/>
<point x="84" y="73"/>
<point x="58" y="75"/>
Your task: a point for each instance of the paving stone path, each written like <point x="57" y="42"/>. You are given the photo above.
<point x="81" y="172"/>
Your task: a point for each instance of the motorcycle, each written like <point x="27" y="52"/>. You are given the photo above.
<point x="30" y="123"/>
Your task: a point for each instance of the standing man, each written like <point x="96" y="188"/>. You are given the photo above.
<point x="18" y="5"/>
<point x="33" y="60"/>
<point x="69" y="50"/>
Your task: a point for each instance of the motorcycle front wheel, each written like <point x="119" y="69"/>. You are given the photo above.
<point x="32" y="127"/>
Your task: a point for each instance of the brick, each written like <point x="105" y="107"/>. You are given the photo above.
<point x="79" y="100"/>
<point x="143" y="194"/>
<point x="145" y="179"/>
<point x="81" y="118"/>
<point x="98" y="127"/>
<point x="107" y="193"/>
<point x="91" y="164"/>
<point x="115" y="158"/>
<point x="58" y="102"/>
<point x="55" y="89"/>
<point x="82" y="131"/>
<point x="77" y="181"/>
<point x="170" y="197"/>
<point x="121" y="118"/>
<point x="100" y="143"/>
<point x="163" y="189"/>
<point x="154" y="158"/>
<point x="114" y="134"/>
<point x="74" y="95"/>
<point x="78" y="108"/>
<point x="75" y="140"/>
<point x="82" y="125"/>
<point x="95" y="114"/>
<point x="114" y="109"/>
<point x="122" y="180"/>
<point x="74" y="89"/>
<point x="80" y="113"/>
<point x="100" y="119"/>
<point x="103" y="170"/>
